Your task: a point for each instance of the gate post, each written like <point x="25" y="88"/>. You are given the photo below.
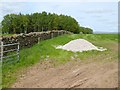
<point x="1" y="64"/>
<point x="1" y="51"/>
<point x="18" y="51"/>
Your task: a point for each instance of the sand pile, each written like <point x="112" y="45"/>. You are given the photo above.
<point x="79" y="45"/>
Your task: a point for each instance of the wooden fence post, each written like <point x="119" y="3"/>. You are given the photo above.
<point x="38" y="39"/>
<point x="51" y="35"/>
<point x="58" y="33"/>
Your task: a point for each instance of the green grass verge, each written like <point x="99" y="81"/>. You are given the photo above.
<point x="8" y="34"/>
<point x="45" y="50"/>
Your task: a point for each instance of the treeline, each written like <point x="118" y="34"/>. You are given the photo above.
<point x="85" y="30"/>
<point x="37" y="22"/>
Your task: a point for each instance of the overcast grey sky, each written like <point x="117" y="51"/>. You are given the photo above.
<point x="100" y="16"/>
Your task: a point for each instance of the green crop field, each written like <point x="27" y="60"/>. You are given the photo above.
<point x="45" y="50"/>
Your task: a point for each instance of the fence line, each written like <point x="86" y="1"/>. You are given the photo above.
<point x="8" y="57"/>
<point x="24" y="43"/>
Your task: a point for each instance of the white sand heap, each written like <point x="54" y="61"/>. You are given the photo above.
<point x="79" y="45"/>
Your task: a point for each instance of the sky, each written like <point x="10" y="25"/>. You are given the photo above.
<point x="100" y="15"/>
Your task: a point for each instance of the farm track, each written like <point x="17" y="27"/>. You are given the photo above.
<point x="97" y="71"/>
<point x="74" y="74"/>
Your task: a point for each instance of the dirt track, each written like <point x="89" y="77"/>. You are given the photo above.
<point x="74" y="74"/>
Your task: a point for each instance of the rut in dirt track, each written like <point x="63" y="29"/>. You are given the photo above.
<point x="74" y="74"/>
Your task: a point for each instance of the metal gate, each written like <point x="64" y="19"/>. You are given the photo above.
<point x="9" y="56"/>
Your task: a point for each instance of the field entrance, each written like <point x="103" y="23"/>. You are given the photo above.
<point x="44" y="66"/>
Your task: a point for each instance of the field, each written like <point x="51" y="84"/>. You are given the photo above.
<point x="44" y="56"/>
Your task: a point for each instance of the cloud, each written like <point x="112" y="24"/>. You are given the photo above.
<point x="114" y="24"/>
<point x="10" y="7"/>
<point x="99" y="11"/>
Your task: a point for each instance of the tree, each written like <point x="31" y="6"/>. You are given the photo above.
<point x="6" y="24"/>
<point x="85" y="30"/>
<point x="36" y="22"/>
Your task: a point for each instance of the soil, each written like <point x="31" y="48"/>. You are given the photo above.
<point x="74" y="74"/>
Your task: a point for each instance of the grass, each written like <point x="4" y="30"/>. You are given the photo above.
<point x="45" y="50"/>
<point x="8" y="34"/>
